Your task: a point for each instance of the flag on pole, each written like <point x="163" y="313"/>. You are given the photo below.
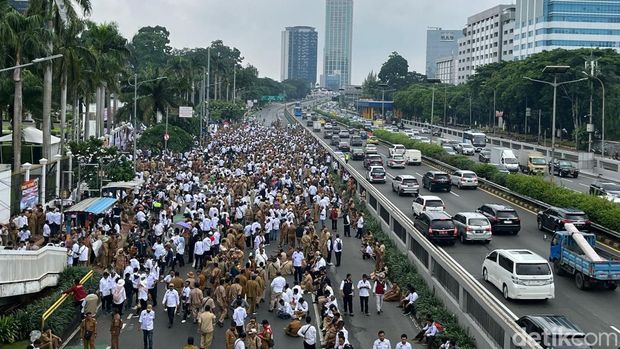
<point x="499" y="113"/>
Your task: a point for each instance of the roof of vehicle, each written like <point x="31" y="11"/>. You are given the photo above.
<point x="522" y="255"/>
<point x="398" y="157"/>
<point x="499" y="207"/>
<point x="359" y="150"/>
<point x="465" y="172"/>
<point x="555" y="324"/>
<point x="370" y="145"/>
<point x="469" y="215"/>
<point x="408" y="177"/>
<point x="370" y="156"/>
<point x="567" y="210"/>
<point x="437" y="173"/>
<point x="435" y="215"/>
<point x="429" y="197"/>
<point x="374" y="167"/>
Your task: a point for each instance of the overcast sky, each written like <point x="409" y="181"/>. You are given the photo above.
<point x="255" y="26"/>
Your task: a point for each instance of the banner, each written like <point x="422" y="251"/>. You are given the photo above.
<point x="30" y="194"/>
<point x="499" y="113"/>
<point x="186" y="112"/>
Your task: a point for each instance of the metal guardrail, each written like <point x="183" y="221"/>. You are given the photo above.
<point x="490" y="322"/>
<point x="526" y="201"/>
<point x="46" y="315"/>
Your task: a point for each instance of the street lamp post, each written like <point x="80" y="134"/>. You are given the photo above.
<point x="43" y="163"/>
<point x="135" y="114"/>
<point x="433" y="81"/>
<point x="555" y="70"/>
<point x="33" y="62"/>
<point x="603" y="112"/>
<point x="58" y="158"/>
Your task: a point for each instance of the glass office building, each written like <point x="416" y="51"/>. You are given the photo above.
<point x="542" y="25"/>
<point x="440" y="44"/>
<point x="299" y="54"/>
<point x="338" y="41"/>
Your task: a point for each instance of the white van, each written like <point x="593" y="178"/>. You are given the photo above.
<point x="519" y="274"/>
<point x="413" y="157"/>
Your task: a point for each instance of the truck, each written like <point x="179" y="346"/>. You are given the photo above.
<point x="572" y="254"/>
<point x="532" y="162"/>
<point x="504" y="156"/>
<point x="316" y="126"/>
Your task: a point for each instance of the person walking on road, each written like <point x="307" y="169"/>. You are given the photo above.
<point x="277" y="285"/>
<point x="206" y="320"/>
<point x="333" y="215"/>
<point x="346" y="289"/>
<point x="88" y="331"/>
<point x="298" y="259"/>
<point x="363" y="287"/>
<point x="382" y="342"/>
<point x="171" y="301"/>
<point x="115" y="330"/>
<point x="147" y="318"/>
<point x="403" y="344"/>
<point x="239" y="316"/>
<point x="360" y="227"/>
<point x="346" y="221"/>
<point x="230" y="336"/>
<point x="379" y="291"/>
<point x="190" y="343"/>
<point x="240" y="342"/>
<point x="308" y="333"/>
<point x="338" y="249"/>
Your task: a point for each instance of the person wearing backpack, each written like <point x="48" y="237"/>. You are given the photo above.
<point x="346" y="289"/>
<point x="338" y="249"/>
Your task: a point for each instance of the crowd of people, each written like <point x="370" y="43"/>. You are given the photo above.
<point x="246" y="214"/>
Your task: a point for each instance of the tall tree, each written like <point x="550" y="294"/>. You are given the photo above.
<point x="394" y="71"/>
<point x="370" y="86"/>
<point x="150" y="47"/>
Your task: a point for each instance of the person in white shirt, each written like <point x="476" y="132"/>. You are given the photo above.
<point x="240" y="342"/>
<point x="198" y="254"/>
<point x="261" y="256"/>
<point x="285" y="311"/>
<point x="337" y="247"/>
<point x="147" y="316"/>
<point x="403" y="344"/>
<point x="308" y="333"/>
<point x="83" y="253"/>
<point x="277" y="285"/>
<point x="105" y="293"/>
<point x="428" y="332"/>
<point x="410" y="300"/>
<point x="382" y="342"/>
<point x="363" y="287"/>
<point x="360" y="227"/>
<point x="298" y="258"/>
<point x="239" y="316"/>
<point x="301" y="309"/>
<point x="171" y="302"/>
<point x="46" y="233"/>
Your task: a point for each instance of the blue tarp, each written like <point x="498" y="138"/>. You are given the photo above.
<point x="93" y="205"/>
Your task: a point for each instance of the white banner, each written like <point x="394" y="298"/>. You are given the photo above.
<point x="186" y="112"/>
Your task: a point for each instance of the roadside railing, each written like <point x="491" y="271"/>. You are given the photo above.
<point x="484" y="317"/>
<point x="49" y="312"/>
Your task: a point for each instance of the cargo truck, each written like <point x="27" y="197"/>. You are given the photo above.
<point x="532" y="162"/>
<point x="316" y="127"/>
<point x="572" y="253"/>
<point x="504" y="156"/>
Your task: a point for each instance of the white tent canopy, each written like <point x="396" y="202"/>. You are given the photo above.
<point x="30" y="135"/>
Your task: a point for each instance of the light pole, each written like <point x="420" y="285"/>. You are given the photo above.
<point x="433" y="81"/>
<point x="58" y="158"/>
<point x="27" y="166"/>
<point x="470" y="121"/>
<point x="70" y="155"/>
<point x="33" y="62"/>
<point x="603" y="111"/>
<point x="135" y="114"/>
<point x="43" y="163"/>
<point x="555" y="70"/>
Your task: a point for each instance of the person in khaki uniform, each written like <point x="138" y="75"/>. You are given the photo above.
<point x="88" y="331"/>
<point x="252" y="293"/>
<point x="115" y="330"/>
<point x="221" y="301"/>
<point x="195" y="300"/>
<point x="206" y="320"/>
<point x="252" y="341"/>
<point x="231" y="336"/>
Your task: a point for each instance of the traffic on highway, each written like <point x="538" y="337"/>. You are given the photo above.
<point x="525" y="258"/>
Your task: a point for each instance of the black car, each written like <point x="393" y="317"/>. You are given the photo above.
<point x="357" y="154"/>
<point x="484" y="156"/>
<point x="437" y="226"/>
<point x="549" y="330"/>
<point x="554" y="218"/>
<point x="309" y="123"/>
<point x="356" y="141"/>
<point x="373" y="160"/>
<point x="563" y="168"/>
<point x="605" y="189"/>
<point x="503" y="218"/>
<point x="436" y="180"/>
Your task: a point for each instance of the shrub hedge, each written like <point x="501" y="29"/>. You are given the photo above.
<point x="18" y="324"/>
<point x="400" y="270"/>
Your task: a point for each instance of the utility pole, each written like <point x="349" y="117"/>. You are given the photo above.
<point x="166" y="137"/>
<point x="494" y="115"/>
<point x="470" y="110"/>
<point x="591" y="67"/>
<point x="208" y="86"/>
<point x="539" y="114"/>
<point x="202" y="104"/>
<point x="235" y="82"/>
<point x="445" y="105"/>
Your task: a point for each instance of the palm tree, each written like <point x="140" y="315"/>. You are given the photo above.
<point x="111" y="52"/>
<point x="22" y="35"/>
<point x="55" y="18"/>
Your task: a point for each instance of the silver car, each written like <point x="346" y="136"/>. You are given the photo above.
<point x="472" y="226"/>
<point x="406" y="184"/>
<point x="464" y="179"/>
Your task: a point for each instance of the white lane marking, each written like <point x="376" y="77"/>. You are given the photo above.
<point x="455" y="194"/>
<point x="567" y="180"/>
<point x="584" y="185"/>
<point x="390" y="175"/>
<point x="615" y="328"/>
<point x="418" y="174"/>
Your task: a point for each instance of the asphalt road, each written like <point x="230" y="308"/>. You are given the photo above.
<point x="362" y="329"/>
<point x="591" y="309"/>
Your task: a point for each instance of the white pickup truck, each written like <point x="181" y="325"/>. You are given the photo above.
<point x="397" y="150"/>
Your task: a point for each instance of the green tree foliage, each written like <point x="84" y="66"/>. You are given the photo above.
<point x="223" y="110"/>
<point x="394" y="71"/>
<point x="153" y="139"/>
<point x="115" y="164"/>
<point x="150" y="47"/>
<point x="370" y="86"/>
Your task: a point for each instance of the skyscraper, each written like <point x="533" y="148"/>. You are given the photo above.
<point x="338" y="38"/>
<point x="440" y="44"/>
<point x="299" y="54"/>
<point x="542" y="25"/>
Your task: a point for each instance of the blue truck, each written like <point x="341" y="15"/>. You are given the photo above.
<point x="298" y="110"/>
<point x="572" y="254"/>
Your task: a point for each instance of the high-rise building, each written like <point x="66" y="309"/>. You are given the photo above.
<point x="19" y="5"/>
<point x="338" y="41"/>
<point x="445" y="69"/>
<point x="570" y="24"/>
<point x="299" y="54"/>
<point x="440" y="44"/>
<point x="488" y="38"/>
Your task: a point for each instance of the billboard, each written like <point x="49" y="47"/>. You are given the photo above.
<point x="30" y="194"/>
<point x="186" y="112"/>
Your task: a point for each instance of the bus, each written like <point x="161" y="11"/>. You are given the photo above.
<point x="298" y="111"/>
<point x="477" y="139"/>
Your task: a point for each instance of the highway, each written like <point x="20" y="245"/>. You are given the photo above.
<point x="591" y="309"/>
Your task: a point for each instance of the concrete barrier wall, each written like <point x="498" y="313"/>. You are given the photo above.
<point x="24" y="272"/>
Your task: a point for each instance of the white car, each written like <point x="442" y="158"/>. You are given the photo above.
<point x="397" y="149"/>
<point x="397" y="161"/>
<point x="464" y="179"/>
<point x="519" y="274"/>
<point x="370" y="149"/>
<point x="466" y="149"/>
<point x="427" y="203"/>
<point x="376" y="174"/>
